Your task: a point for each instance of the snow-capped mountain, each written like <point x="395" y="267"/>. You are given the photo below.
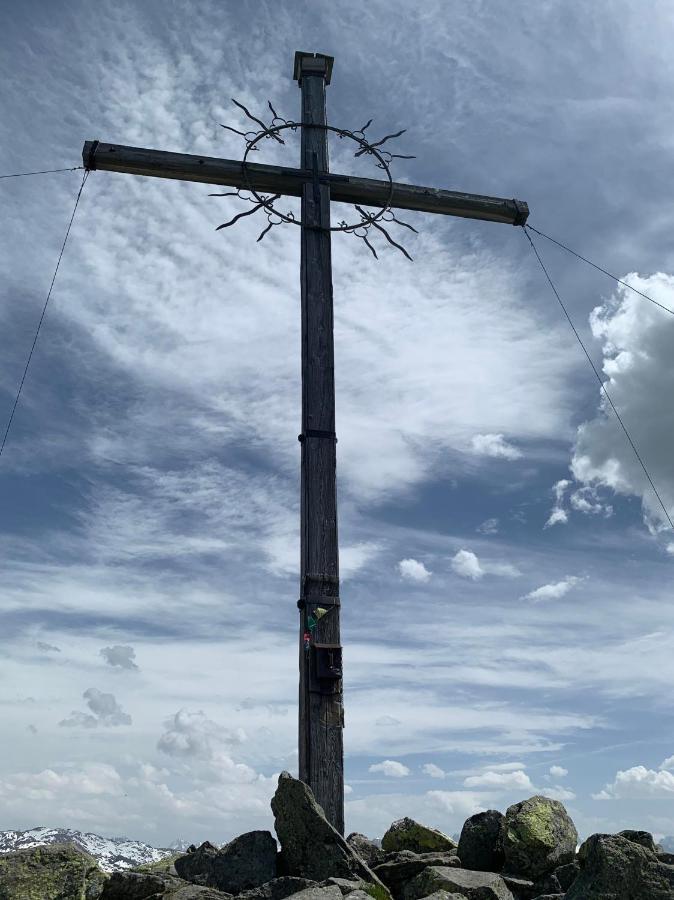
<point x="112" y="854"/>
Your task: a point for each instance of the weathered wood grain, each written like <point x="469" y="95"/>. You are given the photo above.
<point x="284" y="180"/>
<point x="321" y="763"/>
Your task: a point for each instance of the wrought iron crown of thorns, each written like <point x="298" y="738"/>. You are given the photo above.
<point x="369" y="223"/>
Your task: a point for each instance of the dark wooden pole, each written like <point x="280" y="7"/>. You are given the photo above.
<point x="321" y="755"/>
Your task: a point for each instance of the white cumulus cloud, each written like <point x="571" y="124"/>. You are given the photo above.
<point x="390" y="768"/>
<point x="505" y="781"/>
<point x="466" y="564"/>
<point x="636" y="339"/>
<point x="105" y="710"/>
<point x="638" y="783"/>
<point x="494" y="445"/>
<point x="558" y="771"/>
<point x="553" y="591"/>
<point x="413" y="570"/>
<point x="120" y="656"/>
<point x="433" y="770"/>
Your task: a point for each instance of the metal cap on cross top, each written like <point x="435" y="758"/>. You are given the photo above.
<point x="312" y="64"/>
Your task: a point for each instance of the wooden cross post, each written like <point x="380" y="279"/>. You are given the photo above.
<point x="321" y="715"/>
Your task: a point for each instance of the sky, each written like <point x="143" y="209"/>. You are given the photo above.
<point x="506" y="570"/>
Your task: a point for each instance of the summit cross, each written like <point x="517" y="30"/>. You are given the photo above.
<point x="321" y="711"/>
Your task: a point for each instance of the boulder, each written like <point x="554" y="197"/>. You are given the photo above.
<point x="277" y="889"/>
<point x="346" y="885"/>
<point x="538" y="836"/>
<point x="645" y="838"/>
<point x="246" y="862"/>
<point x="310" y="846"/>
<point x="444" y="895"/>
<point x="369" y="852"/>
<point x="331" y="892"/>
<point x="55" y="872"/>
<point x="481" y="842"/>
<point x="520" y="888"/>
<point x="406" y="834"/>
<point x="616" y="867"/>
<point x="358" y="894"/>
<point x="566" y="875"/>
<point x="404" y="865"/>
<point x="473" y="885"/>
<point x="156" y="886"/>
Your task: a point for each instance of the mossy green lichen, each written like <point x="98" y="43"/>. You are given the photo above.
<point x="56" y="872"/>
<point x="162" y="865"/>
<point x="377" y="891"/>
<point x="534" y="826"/>
<point x="406" y="834"/>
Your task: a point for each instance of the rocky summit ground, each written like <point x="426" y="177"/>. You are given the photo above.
<point x="527" y="854"/>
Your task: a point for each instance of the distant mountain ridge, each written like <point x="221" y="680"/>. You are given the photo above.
<point x="112" y="854"/>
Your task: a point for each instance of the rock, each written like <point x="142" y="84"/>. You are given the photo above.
<point x="406" y="834"/>
<point x="371" y="854"/>
<point x="481" y="842"/>
<point x="277" y="889"/>
<point x="155" y="886"/>
<point x="520" y="888"/>
<point x="567" y="874"/>
<point x="444" y="895"/>
<point x="346" y="885"/>
<point x="332" y="892"/>
<point x="645" y="838"/>
<point x="538" y="835"/>
<point x="246" y="862"/>
<point x="54" y="872"/>
<point x="162" y="865"/>
<point x="404" y="865"/>
<point x="473" y="885"/>
<point x="310" y="846"/>
<point x="358" y="895"/>
<point x="549" y="897"/>
<point x="549" y="885"/>
<point x="616" y="867"/>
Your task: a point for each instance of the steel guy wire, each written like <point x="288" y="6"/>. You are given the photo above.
<point x="598" y="377"/>
<point x="44" y="311"/>
<point x="43" y="172"/>
<point x="599" y="268"/>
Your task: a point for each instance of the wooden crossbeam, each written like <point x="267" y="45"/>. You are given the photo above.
<point x="289" y="181"/>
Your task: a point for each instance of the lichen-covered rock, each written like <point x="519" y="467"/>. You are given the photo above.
<point x="331" y="892"/>
<point x="404" y="865"/>
<point x="161" y="865"/>
<point x="473" y="885"/>
<point x="346" y="885"/>
<point x="614" y="867"/>
<point x="481" y="842"/>
<point x="277" y="889"/>
<point x="444" y="895"/>
<point x="310" y="846"/>
<point x="520" y="888"/>
<point x="538" y="836"/>
<point x="156" y="886"/>
<point x="246" y="862"/>
<point x="406" y="834"/>
<point x="645" y="838"/>
<point x="371" y="854"/>
<point x="55" y="872"/>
